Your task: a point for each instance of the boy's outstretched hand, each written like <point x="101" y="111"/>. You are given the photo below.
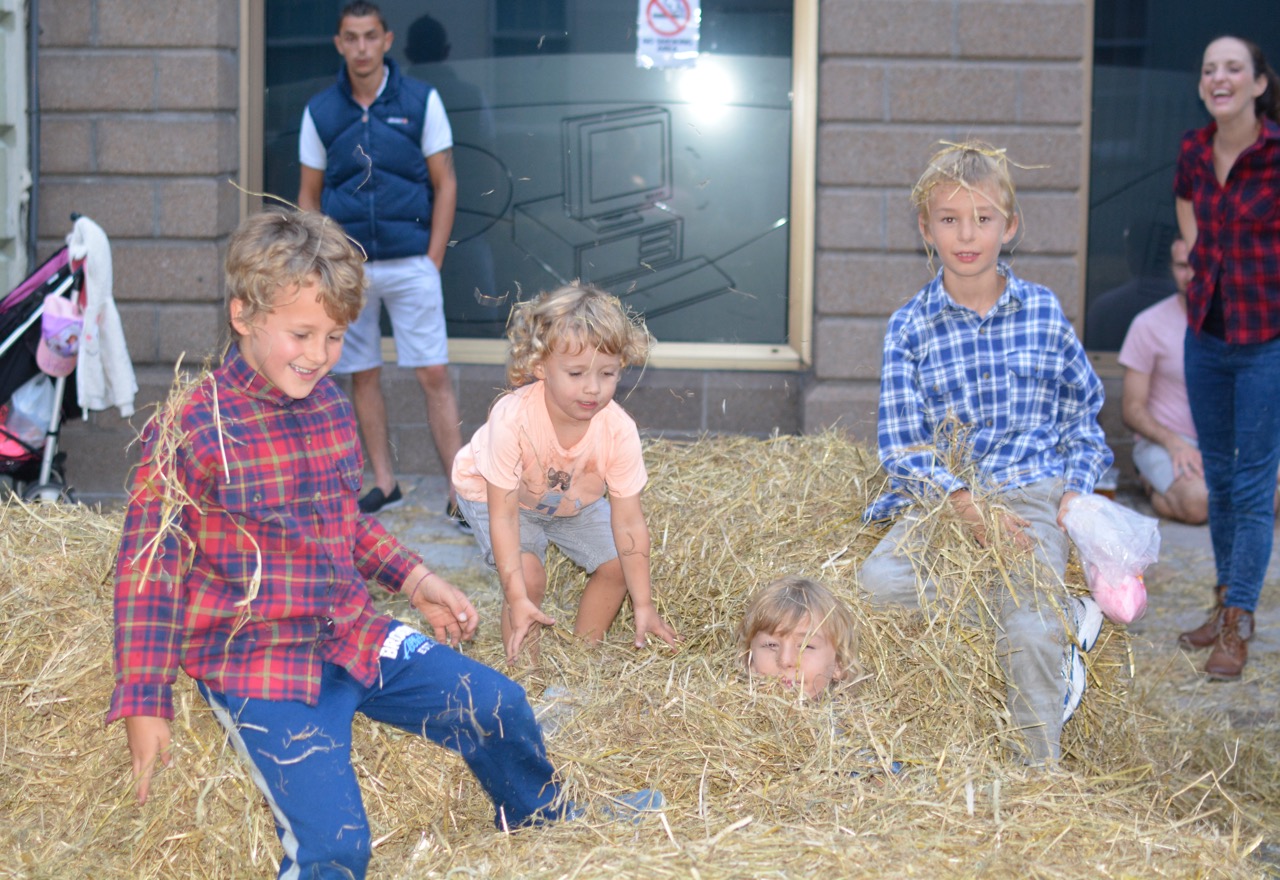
<point x="649" y="621"/>
<point x="447" y="609"/>
<point x="149" y="740"/>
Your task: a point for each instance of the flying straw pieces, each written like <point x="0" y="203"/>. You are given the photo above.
<point x="905" y="773"/>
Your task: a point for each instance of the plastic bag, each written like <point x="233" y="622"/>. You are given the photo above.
<point x="1116" y="545"/>
<point x="30" y="410"/>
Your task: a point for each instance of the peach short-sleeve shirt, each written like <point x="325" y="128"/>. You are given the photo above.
<point x="517" y="448"/>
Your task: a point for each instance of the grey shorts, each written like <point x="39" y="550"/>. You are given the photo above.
<point x="586" y="537"/>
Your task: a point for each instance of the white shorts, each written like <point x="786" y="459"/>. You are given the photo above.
<point x="410" y="289"/>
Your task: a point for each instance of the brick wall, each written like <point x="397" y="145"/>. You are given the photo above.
<point x="138" y="130"/>
<point x="897" y="76"/>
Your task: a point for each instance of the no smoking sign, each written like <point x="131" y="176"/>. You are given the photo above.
<point x="668" y="17"/>
<point x="667" y="33"/>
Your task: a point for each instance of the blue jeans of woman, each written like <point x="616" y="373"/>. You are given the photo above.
<point x="300" y="756"/>
<point x="1235" y="402"/>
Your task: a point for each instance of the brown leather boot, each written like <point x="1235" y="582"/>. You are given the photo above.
<point x="1230" y="651"/>
<point x="1207" y="633"/>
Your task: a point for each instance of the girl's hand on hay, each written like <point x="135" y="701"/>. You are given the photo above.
<point x="149" y="738"/>
<point x="447" y="609"/>
<point x="522" y="616"/>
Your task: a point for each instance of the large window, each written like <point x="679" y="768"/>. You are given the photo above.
<point x="1146" y="63"/>
<point x="672" y="187"/>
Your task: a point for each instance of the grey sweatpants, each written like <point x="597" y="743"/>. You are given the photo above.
<point x="1032" y="640"/>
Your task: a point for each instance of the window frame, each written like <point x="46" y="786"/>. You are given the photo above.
<point x="795" y="354"/>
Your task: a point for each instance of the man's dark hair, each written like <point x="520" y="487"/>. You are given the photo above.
<point x="360" y="9"/>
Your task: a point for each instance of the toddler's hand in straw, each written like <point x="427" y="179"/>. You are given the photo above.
<point x="149" y="740"/>
<point x="522" y="616"/>
<point x="649" y="621"/>
<point x="452" y="617"/>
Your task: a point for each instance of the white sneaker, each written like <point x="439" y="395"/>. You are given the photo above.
<point x="1087" y="618"/>
<point x="1077" y="681"/>
<point x="1087" y="624"/>
<point x="633" y="807"/>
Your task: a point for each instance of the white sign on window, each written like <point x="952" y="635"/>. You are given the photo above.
<point x="667" y="33"/>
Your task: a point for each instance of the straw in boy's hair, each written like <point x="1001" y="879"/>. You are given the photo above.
<point x="965" y="165"/>
<point x="968" y="165"/>
<point x="573" y="318"/>
<point x="788" y="602"/>
<point x="277" y="249"/>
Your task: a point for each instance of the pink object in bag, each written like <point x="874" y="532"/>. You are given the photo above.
<point x="1122" y="601"/>
<point x="1116" y="545"/>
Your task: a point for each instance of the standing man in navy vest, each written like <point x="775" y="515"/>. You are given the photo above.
<point x="376" y="151"/>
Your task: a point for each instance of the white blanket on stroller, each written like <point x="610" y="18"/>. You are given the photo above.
<point x="104" y="374"/>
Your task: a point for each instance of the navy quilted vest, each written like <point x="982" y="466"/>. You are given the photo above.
<point x="375" y="180"/>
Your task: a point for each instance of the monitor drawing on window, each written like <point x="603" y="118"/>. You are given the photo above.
<point x="612" y="226"/>
<point x="616" y="165"/>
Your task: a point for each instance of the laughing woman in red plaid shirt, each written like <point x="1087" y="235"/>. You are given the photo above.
<point x="1228" y="205"/>
<point x="244" y="560"/>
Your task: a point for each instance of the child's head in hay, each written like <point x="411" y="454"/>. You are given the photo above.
<point x="797" y="631"/>
<point x="570" y="320"/>
<point x="294" y="283"/>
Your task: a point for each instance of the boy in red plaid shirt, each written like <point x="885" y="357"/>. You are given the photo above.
<point x="244" y="560"/>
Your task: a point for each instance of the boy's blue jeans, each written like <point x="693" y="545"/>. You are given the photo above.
<point x="300" y="755"/>
<point x="1235" y="403"/>
<point x="1032" y="640"/>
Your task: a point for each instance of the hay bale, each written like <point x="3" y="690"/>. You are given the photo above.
<point x="757" y="786"/>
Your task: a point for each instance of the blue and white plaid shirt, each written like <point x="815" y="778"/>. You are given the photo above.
<point x="1011" y="392"/>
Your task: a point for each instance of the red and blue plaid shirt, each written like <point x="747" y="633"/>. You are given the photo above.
<point x="272" y="483"/>
<point x="1237" y="249"/>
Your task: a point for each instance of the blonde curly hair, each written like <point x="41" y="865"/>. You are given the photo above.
<point x="572" y="318"/>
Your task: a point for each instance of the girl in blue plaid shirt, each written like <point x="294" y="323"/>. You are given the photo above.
<point x="988" y="404"/>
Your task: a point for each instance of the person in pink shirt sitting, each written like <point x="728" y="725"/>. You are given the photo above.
<point x="1155" y="406"/>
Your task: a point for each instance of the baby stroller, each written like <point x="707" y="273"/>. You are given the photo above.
<point x="31" y="465"/>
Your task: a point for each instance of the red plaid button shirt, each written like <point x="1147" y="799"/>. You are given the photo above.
<point x="1237" y="249"/>
<point x="273" y="484"/>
